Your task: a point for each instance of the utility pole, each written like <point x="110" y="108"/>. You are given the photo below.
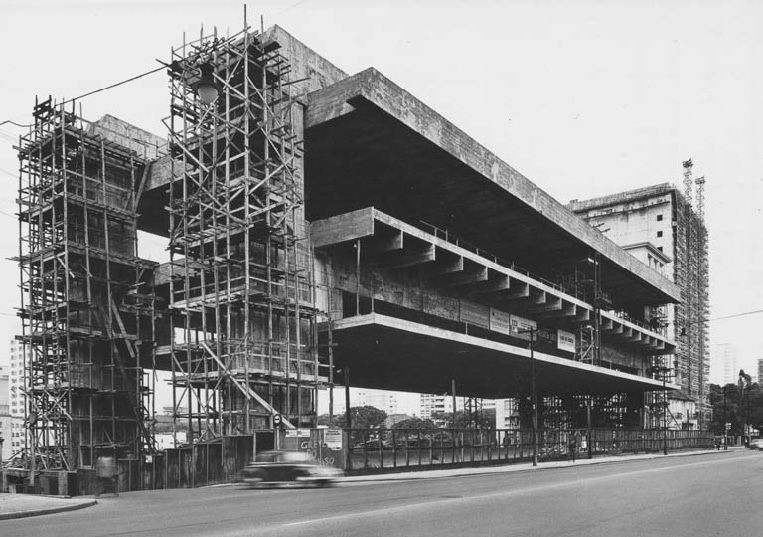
<point x="664" y="410"/>
<point x="2" y="472"/>
<point x="348" y="414"/>
<point x="534" y="390"/>
<point x="453" y="395"/>
<point x="588" y="423"/>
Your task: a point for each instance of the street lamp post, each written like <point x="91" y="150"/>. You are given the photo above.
<point x="2" y="471"/>
<point x="535" y="397"/>
<point x="532" y="332"/>
<point x="665" y="411"/>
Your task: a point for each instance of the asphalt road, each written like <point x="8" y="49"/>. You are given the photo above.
<point x="701" y="495"/>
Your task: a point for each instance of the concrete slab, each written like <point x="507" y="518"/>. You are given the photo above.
<point x="425" y="166"/>
<point x="382" y="350"/>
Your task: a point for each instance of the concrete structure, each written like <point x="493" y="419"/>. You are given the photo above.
<point x="352" y="236"/>
<point x="724" y="364"/>
<point x="658" y="226"/>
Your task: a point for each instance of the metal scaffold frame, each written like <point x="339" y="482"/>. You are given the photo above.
<point x="242" y="298"/>
<point x="691" y="273"/>
<point x="658" y="401"/>
<point x="87" y="305"/>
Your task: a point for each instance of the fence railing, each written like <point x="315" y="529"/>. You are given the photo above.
<point x="383" y="450"/>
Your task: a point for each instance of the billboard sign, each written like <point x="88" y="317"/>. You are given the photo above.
<point x="565" y="341"/>
<point x="500" y="321"/>
<point x="520" y="327"/>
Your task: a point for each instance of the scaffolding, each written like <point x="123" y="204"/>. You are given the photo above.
<point x="691" y="274"/>
<point x="658" y="402"/>
<point x="703" y="306"/>
<point x="243" y="350"/>
<point x="87" y="305"/>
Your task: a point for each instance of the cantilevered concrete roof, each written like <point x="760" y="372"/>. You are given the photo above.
<point x="370" y="143"/>
<point x="384" y="351"/>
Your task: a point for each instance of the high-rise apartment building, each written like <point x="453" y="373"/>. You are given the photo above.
<point x="661" y="227"/>
<point x="16" y="397"/>
<point x="433" y="405"/>
<point x="5" y="415"/>
<point x="390" y="402"/>
<point x="724" y="364"/>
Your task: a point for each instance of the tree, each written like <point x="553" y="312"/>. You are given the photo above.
<point x="337" y="421"/>
<point x="367" y="417"/>
<point x="756" y="407"/>
<point x="485" y="419"/>
<point x="737" y="404"/>
<point x="363" y="417"/>
<point x="415" y="423"/>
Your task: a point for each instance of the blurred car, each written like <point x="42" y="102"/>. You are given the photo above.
<point x="757" y="443"/>
<point x="288" y="467"/>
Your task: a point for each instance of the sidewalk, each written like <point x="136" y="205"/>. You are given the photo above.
<point x="519" y="467"/>
<point x="24" y="505"/>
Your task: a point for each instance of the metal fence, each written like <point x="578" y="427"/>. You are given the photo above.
<point x="370" y="450"/>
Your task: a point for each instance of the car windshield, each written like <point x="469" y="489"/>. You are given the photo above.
<point x="293" y="456"/>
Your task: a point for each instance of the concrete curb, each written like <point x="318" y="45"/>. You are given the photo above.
<point x="47" y="511"/>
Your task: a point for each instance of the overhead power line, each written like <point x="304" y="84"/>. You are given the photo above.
<point x="136" y="77"/>
<point x="736" y="315"/>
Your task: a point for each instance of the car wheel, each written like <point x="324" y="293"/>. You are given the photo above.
<point x="296" y="475"/>
<point x="255" y="478"/>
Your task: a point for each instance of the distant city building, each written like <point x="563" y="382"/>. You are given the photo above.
<point x="760" y="370"/>
<point x="5" y="415"/>
<point x="507" y="414"/>
<point x="433" y="405"/>
<point x="724" y="364"/>
<point x="380" y="399"/>
<point x="16" y="399"/>
<point x="390" y="402"/>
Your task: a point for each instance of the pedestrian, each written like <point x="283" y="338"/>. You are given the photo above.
<point x="105" y="475"/>
<point x="572" y="446"/>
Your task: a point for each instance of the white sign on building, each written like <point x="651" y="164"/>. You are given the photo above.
<point x="565" y="341"/>
<point x="521" y="327"/>
<point x="500" y="321"/>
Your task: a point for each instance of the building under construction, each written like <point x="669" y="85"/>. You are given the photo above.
<point x="665" y="229"/>
<point x="322" y="228"/>
<point x="88" y="304"/>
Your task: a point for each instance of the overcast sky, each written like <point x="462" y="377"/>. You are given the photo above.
<point x="583" y="97"/>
